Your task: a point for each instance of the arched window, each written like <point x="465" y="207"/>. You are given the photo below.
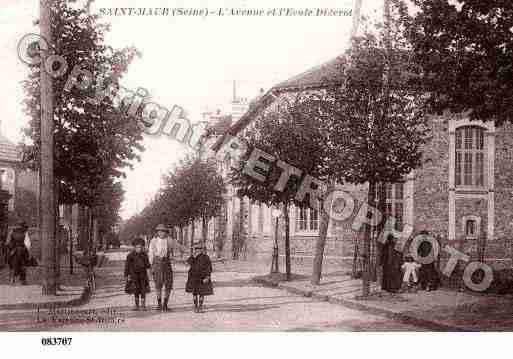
<point x="469" y="166"/>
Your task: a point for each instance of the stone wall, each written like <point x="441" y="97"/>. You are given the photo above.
<point x="431" y="198"/>
<point x="431" y="186"/>
<point x="430" y="207"/>
<point x="504" y="183"/>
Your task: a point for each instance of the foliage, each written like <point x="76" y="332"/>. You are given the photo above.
<point x="192" y="190"/>
<point x="376" y="136"/>
<point x="464" y="51"/>
<point x="293" y="133"/>
<point x="379" y="122"/>
<point x="93" y="142"/>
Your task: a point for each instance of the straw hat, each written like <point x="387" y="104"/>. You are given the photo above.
<point x="162" y="227"/>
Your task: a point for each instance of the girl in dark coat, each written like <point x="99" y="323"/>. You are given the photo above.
<point x="136" y="273"/>
<point x="199" y="282"/>
<point x="428" y="275"/>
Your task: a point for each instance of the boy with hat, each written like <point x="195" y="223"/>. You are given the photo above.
<point x="160" y="252"/>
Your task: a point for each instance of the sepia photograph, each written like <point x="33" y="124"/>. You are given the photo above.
<point x="244" y="166"/>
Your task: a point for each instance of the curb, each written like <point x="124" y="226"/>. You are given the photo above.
<point x="403" y="317"/>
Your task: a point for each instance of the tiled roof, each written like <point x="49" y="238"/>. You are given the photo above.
<point x="8" y="150"/>
<point x="326" y="75"/>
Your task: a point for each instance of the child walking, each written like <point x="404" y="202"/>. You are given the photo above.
<point x="410" y="268"/>
<point x="136" y="274"/>
<point x="199" y="282"/>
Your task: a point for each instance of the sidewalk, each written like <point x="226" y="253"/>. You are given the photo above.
<point x="30" y="296"/>
<point x="440" y="310"/>
<point x="72" y="290"/>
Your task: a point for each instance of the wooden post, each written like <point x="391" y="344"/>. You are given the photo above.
<point x="47" y="215"/>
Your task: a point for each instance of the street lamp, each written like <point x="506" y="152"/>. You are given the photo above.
<point x="276" y="213"/>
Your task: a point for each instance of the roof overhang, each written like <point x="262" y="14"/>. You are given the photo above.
<point x="327" y="75"/>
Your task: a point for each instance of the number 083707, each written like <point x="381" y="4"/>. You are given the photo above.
<point x="56" y="341"/>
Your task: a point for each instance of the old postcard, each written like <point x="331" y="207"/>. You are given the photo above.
<point x="255" y="166"/>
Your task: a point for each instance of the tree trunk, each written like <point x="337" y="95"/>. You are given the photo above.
<point x="90" y="245"/>
<point x="378" y="230"/>
<point x="242" y="229"/>
<point x="82" y="228"/>
<point x="287" y="241"/>
<point x="366" y="242"/>
<point x="204" y="230"/>
<point x="186" y="235"/>
<point x="96" y="240"/>
<point x="220" y="231"/>
<point x="321" y="242"/>
<point x="192" y="236"/>
<point x="180" y="239"/>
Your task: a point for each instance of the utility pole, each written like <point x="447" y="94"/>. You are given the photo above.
<point x="356" y="18"/>
<point x="46" y="176"/>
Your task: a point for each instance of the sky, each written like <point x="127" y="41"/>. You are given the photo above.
<point x="187" y="61"/>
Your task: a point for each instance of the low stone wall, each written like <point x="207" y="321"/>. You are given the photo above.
<point x="300" y="246"/>
<point x="498" y="253"/>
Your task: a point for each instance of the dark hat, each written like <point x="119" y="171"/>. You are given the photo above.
<point x="22" y="225"/>
<point x="138" y="242"/>
<point x="162" y="227"/>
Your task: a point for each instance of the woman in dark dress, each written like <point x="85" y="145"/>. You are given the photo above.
<point x="18" y="255"/>
<point x="391" y="261"/>
<point x="136" y="274"/>
<point x="199" y="282"/>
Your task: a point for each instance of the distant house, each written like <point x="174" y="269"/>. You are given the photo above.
<point x="21" y="183"/>
<point x="462" y="193"/>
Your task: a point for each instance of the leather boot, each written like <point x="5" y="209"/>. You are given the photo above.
<point x="159" y="304"/>
<point x="136" y="303"/>
<point x="165" y="308"/>
<point x="200" y="307"/>
<point x="143" y="303"/>
<point x="195" y="299"/>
